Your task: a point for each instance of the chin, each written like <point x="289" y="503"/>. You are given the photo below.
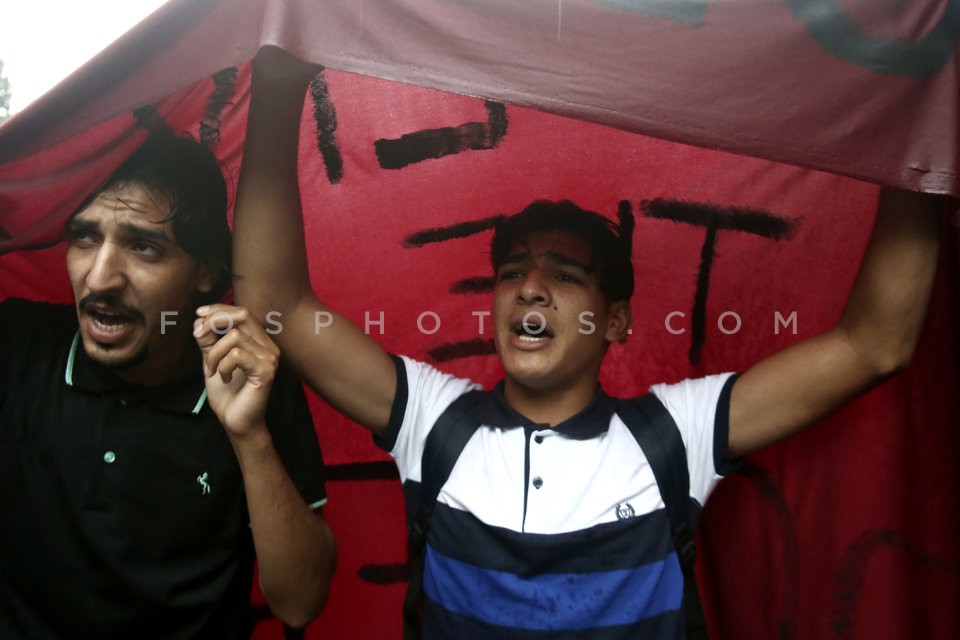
<point x="117" y="359"/>
<point x="529" y="377"/>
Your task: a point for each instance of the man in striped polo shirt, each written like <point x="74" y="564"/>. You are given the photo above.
<point x="551" y="523"/>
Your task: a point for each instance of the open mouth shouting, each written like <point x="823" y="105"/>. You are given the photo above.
<point x="109" y="321"/>
<point x="531" y="330"/>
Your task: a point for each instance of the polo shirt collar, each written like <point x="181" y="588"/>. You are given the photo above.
<point x="185" y="394"/>
<point x="592" y="421"/>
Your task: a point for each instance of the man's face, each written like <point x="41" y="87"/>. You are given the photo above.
<point x="126" y="269"/>
<point x="552" y="322"/>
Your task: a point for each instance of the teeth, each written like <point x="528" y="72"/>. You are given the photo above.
<point x="108" y="323"/>
<point x="527" y="338"/>
<point x="105" y="326"/>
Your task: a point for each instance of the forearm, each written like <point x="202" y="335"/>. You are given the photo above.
<point x="338" y="360"/>
<point x="296" y="550"/>
<point x="269" y="248"/>
<point x="874" y="338"/>
<point x="887" y="306"/>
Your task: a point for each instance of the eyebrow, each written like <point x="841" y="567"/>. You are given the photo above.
<point x="126" y="228"/>
<point x="566" y="260"/>
<point x="81" y="225"/>
<point x="144" y="232"/>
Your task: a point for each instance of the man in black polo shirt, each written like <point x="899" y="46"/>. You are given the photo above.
<point x="142" y="467"/>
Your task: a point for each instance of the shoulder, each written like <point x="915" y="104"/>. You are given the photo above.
<point x="34" y="336"/>
<point x="700" y="408"/>
<point x="35" y="309"/>
<point x="423" y="393"/>
<point x="694" y="395"/>
<point x="20" y="320"/>
<point x="426" y="385"/>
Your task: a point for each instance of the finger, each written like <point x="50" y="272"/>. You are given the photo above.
<point x="206" y="328"/>
<point x="205" y="337"/>
<point x="238" y="341"/>
<point x="208" y="337"/>
<point x="220" y="319"/>
<point x="237" y="338"/>
<point x="218" y="323"/>
<point x="258" y="371"/>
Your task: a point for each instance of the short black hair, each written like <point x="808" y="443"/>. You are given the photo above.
<point x="188" y="174"/>
<point x="610" y="242"/>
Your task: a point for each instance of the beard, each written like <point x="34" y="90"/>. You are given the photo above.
<point x="124" y="365"/>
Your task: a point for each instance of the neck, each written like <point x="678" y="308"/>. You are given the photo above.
<point x="159" y="368"/>
<point x="550" y="406"/>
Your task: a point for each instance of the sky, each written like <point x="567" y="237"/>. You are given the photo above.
<point x="43" y="41"/>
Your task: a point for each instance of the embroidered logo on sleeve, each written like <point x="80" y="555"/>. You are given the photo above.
<point x="202" y="480"/>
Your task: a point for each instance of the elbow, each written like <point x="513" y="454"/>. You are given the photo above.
<point x="894" y="356"/>
<point x="895" y="364"/>
<point x="302" y="608"/>
<point x="300" y="618"/>
<point x="298" y="608"/>
<point x="886" y="363"/>
<point x="880" y="356"/>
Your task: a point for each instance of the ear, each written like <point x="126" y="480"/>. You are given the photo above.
<point x="621" y="317"/>
<point x="209" y="275"/>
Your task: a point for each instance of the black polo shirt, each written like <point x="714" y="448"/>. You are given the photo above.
<point x="124" y="514"/>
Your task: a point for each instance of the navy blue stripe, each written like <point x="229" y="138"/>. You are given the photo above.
<point x="446" y="625"/>
<point x="412" y="492"/>
<point x="554" y="602"/>
<point x="721" y="430"/>
<point x="623" y="544"/>
<point x="388" y="440"/>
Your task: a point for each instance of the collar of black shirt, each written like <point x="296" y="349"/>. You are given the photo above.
<point x="185" y="393"/>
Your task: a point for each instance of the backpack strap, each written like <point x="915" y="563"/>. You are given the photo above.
<point x="445" y="442"/>
<point x="655" y="431"/>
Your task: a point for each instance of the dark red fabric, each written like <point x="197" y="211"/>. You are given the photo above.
<point x="857" y="87"/>
<point x="847" y="531"/>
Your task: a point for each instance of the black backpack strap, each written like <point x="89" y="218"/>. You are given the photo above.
<point x="445" y="442"/>
<point x="658" y="436"/>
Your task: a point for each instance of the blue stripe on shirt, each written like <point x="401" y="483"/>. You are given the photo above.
<point x="566" y="601"/>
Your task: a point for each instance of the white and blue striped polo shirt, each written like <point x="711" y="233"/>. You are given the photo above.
<point x="553" y="532"/>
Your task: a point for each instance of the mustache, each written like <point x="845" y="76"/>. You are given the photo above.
<point x="110" y="303"/>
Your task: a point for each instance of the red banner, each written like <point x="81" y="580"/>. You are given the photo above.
<point x="858" y="88"/>
<point x="847" y="531"/>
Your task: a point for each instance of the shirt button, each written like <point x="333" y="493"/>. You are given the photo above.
<point x="537" y="482"/>
<point x="538" y="439"/>
<point x="109" y="457"/>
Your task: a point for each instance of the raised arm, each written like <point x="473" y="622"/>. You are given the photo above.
<point x="874" y="338"/>
<point x="340" y="362"/>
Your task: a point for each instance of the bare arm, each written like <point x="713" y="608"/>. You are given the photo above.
<point x="340" y="362"/>
<point x="874" y="338"/>
<point x="296" y="550"/>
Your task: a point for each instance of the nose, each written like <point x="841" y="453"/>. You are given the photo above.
<point x="534" y="288"/>
<point x="106" y="271"/>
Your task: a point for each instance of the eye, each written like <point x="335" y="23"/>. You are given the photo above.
<point x="509" y="274"/>
<point x="569" y="278"/>
<point x="146" y="249"/>
<point x="81" y="237"/>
